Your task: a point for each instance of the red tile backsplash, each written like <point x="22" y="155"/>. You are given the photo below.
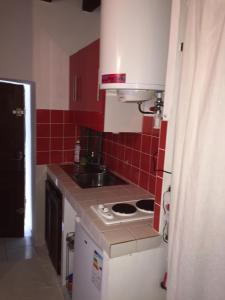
<point x="147" y="125"/>
<point x="151" y="186"/>
<point x="57" y="130"/>
<point x="43" y="130"/>
<point x="156" y="217"/>
<point x="158" y="190"/>
<point x="68" y="143"/>
<point x="68" y="130"/>
<point x="154" y="145"/>
<point x="146" y="143"/>
<point x="160" y="164"/>
<point x="56" y="144"/>
<point x="56" y="157"/>
<point x="163" y="133"/>
<point x="135" y="156"/>
<point x="144" y="180"/>
<point x="138" y="156"/>
<point x="43" y="144"/>
<point x="43" y="157"/>
<point x="56" y="135"/>
<point x="56" y="116"/>
<point x="68" y="116"/>
<point x="43" y="116"/>
<point x="138" y="151"/>
<point x="145" y="162"/>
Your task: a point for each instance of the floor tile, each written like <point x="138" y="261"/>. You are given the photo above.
<point x="26" y="272"/>
<point x="3" y="256"/>
<point x="28" y="279"/>
<point x="3" y="241"/>
<point x="20" y="253"/>
<point x="12" y="243"/>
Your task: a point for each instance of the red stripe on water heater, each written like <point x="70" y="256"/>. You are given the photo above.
<point x="114" y="78"/>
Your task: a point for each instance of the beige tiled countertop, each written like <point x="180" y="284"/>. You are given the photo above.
<point x="116" y="239"/>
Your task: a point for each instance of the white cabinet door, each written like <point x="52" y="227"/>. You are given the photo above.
<point x="88" y="261"/>
<point x="69" y="215"/>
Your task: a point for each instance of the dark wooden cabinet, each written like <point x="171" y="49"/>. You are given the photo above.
<point x="53" y="223"/>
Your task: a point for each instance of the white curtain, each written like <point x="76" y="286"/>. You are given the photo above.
<point x="196" y="269"/>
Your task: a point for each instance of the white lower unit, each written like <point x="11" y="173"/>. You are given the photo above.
<point x="68" y="226"/>
<point x="129" y="277"/>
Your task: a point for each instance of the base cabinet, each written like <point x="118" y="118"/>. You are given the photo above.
<point x="128" y="277"/>
<point x="68" y="230"/>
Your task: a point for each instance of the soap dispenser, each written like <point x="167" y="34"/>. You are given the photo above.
<point x="77" y="152"/>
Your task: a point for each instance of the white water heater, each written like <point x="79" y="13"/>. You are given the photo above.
<point x="134" y="46"/>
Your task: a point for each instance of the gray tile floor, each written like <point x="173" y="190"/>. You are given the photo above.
<point x="26" y="272"/>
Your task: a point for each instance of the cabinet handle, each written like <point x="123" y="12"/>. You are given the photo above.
<point x="98" y="86"/>
<point x="75" y="88"/>
<point x="98" y="92"/>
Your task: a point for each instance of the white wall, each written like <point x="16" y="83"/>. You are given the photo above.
<point x="36" y="40"/>
<point x="60" y="28"/>
<point x="16" y="39"/>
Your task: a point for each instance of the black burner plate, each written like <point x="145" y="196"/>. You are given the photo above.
<point x="145" y="204"/>
<point x="124" y="208"/>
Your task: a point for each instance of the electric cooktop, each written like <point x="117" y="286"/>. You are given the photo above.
<point x="112" y="213"/>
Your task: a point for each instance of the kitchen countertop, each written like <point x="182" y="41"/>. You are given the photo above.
<point x="116" y="239"/>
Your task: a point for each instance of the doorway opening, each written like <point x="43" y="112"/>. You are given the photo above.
<point x="28" y="151"/>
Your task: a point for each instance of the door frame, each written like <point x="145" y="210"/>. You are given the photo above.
<point x="30" y="142"/>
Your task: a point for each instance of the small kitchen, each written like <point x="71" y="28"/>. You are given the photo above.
<point x="103" y="204"/>
<point x="120" y="115"/>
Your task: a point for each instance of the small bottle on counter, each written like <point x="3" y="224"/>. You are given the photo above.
<point x="77" y="152"/>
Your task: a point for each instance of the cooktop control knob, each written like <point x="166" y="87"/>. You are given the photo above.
<point x="105" y="212"/>
<point x="101" y="206"/>
<point x="108" y="215"/>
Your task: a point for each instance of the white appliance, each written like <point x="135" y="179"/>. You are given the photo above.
<point x="121" y="212"/>
<point x="128" y="277"/>
<point x="134" y="39"/>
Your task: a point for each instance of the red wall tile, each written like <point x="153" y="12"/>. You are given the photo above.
<point x="163" y="132"/>
<point x="67" y="116"/>
<point x="43" y="144"/>
<point x="137" y="157"/>
<point x="145" y="162"/>
<point x="56" y="116"/>
<point x="56" y="143"/>
<point x="144" y="179"/>
<point x="152" y="183"/>
<point x="68" y="156"/>
<point x="57" y="130"/>
<point x="156" y="217"/>
<point x="68" y="130"/>
<point x="147" y="125"/>
<point x="56" y="135"/>
<point x="56" y="157"/>
<point x="69" y="143"/>
<point x="43" y="116"/>
<point x="158" y="190"/>
<point x="146" y="143"/>
<point x="160" y="165"/>
<point x="154" y="145"/>
<point x="42" y="157"/>
<point x="43" y="130"/>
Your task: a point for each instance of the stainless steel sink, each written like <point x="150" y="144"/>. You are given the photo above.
<point x="87" y="177"/>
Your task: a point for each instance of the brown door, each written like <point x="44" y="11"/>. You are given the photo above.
<point x="12" y="160"/>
